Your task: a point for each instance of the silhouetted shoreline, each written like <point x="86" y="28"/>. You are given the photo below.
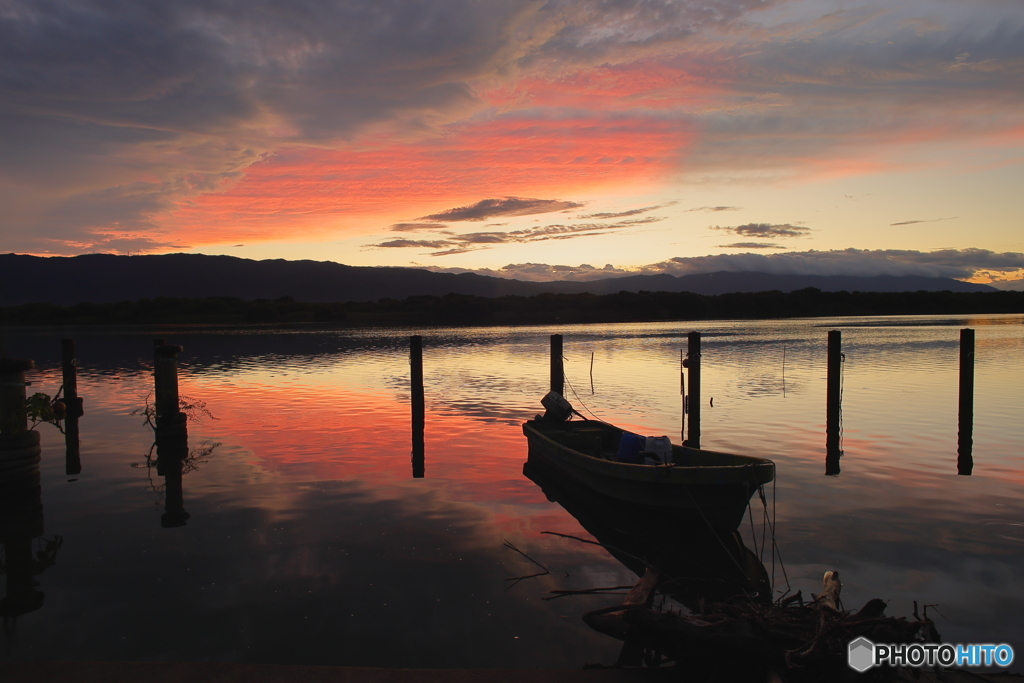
<point x="541" y="309"/>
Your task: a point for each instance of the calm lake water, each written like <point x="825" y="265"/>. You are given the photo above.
<point x="309" y="542"/>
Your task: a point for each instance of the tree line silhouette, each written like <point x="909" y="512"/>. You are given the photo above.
<point x="541" y="309"/>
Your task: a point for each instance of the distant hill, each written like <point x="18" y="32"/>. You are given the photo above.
<point x="107" y="278"/>
<point x="725" y="282"/>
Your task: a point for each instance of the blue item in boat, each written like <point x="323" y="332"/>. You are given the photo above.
<point x="630" y="447"/>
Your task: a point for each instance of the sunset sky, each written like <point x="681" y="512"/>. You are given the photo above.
<point x="521" y="138"/>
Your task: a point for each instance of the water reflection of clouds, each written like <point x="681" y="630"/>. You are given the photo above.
<point x="343" y="575"/>
<point x="320" y="406"/>
<point x="932" y="551"/>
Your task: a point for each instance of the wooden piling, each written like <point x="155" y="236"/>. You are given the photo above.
<point x="19" y="447"/>
<point x="692" y="364"/>
<point x="965" y="426"/>
<point x="165" y="383"/>
<point x="69" y="376"/>
<point x="834" y="398"/>
<point x="418" y="405"/>
<point x="557" y="368"/>
<point x="13" y="419"/>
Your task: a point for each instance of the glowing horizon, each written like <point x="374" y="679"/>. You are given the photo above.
<point x="879" y="129"/>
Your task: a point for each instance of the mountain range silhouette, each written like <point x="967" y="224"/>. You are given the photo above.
<point x="108" y="278"/>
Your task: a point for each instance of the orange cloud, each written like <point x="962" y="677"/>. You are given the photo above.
<point x="317" y="190"/>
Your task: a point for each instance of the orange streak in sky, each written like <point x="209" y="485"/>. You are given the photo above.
<point x="317" y="190"/>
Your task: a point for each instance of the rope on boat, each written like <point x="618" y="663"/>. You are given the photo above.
<point x="775" y="547"/>
<point x="573" y="390"/>
<point x="767" y="522"/>
<point x="842" y="386"/>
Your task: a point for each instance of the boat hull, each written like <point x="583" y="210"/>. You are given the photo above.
<point x="714" y="487"/>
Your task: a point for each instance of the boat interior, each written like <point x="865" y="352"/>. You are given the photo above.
<point x="602" y="440"/>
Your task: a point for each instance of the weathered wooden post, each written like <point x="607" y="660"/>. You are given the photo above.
<point x="69" y="372"/>
<point x="73" y="407"/>
<point x="557" y="369"/>
<point x="833" y="401"/>
<point x="19" y="447"/>
<point x="692" y="364"/>
<point x="965" y="427"/>
<point x="418" y="405"/>
<point x="13" y="419"/>
<point x="165" y="385"/>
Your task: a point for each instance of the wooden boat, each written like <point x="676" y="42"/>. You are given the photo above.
<point x="715" y="487"/>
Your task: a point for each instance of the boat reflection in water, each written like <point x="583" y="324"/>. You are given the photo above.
<point x="693" y="560"/>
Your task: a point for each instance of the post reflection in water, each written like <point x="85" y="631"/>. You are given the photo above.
<point x="171" y="432"/>
<point x="965" y="426"/>
<point x="21" y="523"/>
<point x="417" y="405"/>
<point x="171" y="453"/>
<point x="73" y="407"/>
<point x="834" y="403"/>
<point x="832" y="455"/>
<point x="72" y="443"/>
<point x="965" y="445"/>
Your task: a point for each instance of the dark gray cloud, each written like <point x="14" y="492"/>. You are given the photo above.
<point x="955" y="263"/>
<point x="751" y="245"/>
<point x="715" y="208"/>
<point x="765" y="230"/>
<point x="400" y="244"/>
<point x="630" y="212"/>
<point x="933" y="220"/>
<point x="509" y="206"/>
<point x="458" y="244"/>
<point x="858" y="78"/>
<point x="412" y="227"/>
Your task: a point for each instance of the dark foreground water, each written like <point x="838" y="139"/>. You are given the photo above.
<point x="308" y="541"/>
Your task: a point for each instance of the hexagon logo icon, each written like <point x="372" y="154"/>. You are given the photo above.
<point x="860" y="654"/>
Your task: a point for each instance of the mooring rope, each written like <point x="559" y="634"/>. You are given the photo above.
<point x="573" y="390"/>
<point x="842" y="386"/>
<point x="714" y="532"/>
<point x="771" y="526"/>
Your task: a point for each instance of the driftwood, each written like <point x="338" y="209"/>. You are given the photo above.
<point x="643" y="591"/>
<point x="789" y="639"/>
